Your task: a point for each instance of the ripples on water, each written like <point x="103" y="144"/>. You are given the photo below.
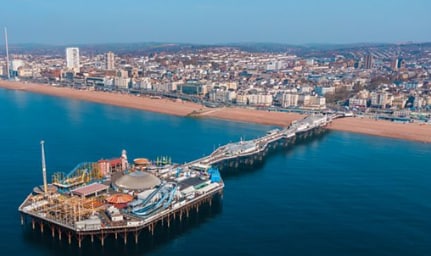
<point x="342" y="194"/>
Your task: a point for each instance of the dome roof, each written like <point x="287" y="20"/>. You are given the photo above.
<point x="119" y="199"/>
<point x="138" y="180"/>
<point x="141" y="161"/>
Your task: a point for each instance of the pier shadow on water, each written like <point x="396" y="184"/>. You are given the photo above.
<point x="47" y="245"/>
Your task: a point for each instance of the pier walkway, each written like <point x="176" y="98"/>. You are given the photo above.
<point x="254" y="147"/>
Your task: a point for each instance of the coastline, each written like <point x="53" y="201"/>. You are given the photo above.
<point x="410" y="131"/>
<point x="163" y="106"/>
<point x="406" y="131"/>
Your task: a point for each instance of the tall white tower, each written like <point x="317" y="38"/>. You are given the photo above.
<point x="45" y="184"/>
<point x="72" y="58"/>
<point x="109" y="61"/>
<point x="124" y="162"/>
<point x="7" y="54"/>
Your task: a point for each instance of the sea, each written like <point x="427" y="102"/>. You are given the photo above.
<point x="338" y="194"/>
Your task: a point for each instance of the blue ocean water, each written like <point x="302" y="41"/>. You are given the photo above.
<point x="341" y="194"/>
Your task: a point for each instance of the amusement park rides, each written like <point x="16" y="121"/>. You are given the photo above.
<point x="81" y="174"/>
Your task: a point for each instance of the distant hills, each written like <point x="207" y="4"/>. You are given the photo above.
<point x="154" y="47"/>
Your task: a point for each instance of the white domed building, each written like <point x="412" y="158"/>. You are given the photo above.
<point x="136" y="181"/>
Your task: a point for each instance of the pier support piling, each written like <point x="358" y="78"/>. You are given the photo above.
<point x="136" y="237"/>
<point x="152" y="228"/>
<point x="102" y="239"/>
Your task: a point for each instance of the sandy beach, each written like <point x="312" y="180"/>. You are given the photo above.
<point x="408" y="131"/>
<point x="252" y="116"/>
<point x="411" y="131"/>
<point x="164" y="106"/>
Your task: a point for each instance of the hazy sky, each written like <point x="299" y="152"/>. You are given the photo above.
<point x="216" y="21"/>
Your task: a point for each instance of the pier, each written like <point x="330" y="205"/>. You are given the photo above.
<point x="248" y="152"/>
<point x="115" y="198"/>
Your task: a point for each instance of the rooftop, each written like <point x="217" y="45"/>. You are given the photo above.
<point x="89" y="189"/>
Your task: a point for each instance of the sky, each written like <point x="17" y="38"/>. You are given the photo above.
<point x="61" y="22"/>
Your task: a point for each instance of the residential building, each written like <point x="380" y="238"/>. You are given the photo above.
<point x="109" y="61"/>
<point x="322" y="90"/>
<point x="379" y="99"/>
<point x="289" y="100"/>
<point x="357" y="102"/>
<point x="260" y="99"/>
<point x="72" y="58"/>
<point x="368" y="61"/>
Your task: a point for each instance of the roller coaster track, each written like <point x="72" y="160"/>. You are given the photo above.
<point x="165" y="191"/>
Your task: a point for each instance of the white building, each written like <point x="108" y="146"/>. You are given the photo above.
<point x="318" y="102"/>
<point x="16" y="64"/>
<point x="144" y="83"/>
<point x="72" y="58"/>
<point x="379" y="99"/>
<point x="121" y="82"/>
<point x="419" y="102"/>
<point x="354" y="102"/>
<point x="289" y="100"/>
<point x="218" y="95"/>
<point x="305" y="89"/>
<point x="109" y="61"/>
<point x="274" y="65"/>
<point x="260" y="99"/>
<point x="161" y="87"/>
<point x="25" y="71"/>
<point x="304" y="100"/>
<point x="241" y="99"/>
<point x="322" y="90"/>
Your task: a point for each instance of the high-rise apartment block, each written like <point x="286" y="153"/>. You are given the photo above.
<point x="109" y="61"/>
<point x="368" y="61"/>
<point x="72" y="58"/>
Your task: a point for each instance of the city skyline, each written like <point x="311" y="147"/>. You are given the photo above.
<point x="218" y="22"/>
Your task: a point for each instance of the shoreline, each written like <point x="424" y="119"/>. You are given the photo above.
<point x="164" y="106"/>
<point x="411" y="131"/>
<point x="405" y="131"/>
